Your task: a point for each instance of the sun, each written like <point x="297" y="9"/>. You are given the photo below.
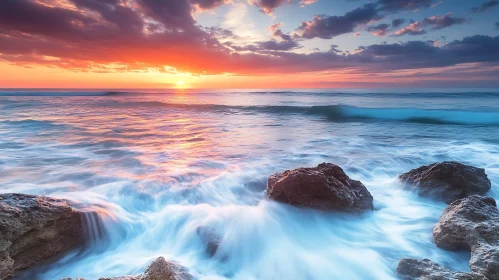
<point x="180" y="84"/>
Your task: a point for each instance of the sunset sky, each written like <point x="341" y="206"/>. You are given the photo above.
<point x="248" y="43"/>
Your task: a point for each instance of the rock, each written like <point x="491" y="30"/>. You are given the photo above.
<point x="411" y="269"/>
<point x="325" y="187"/>
<point x="35" y="229"/>
<point x="472" y="223"/>
<point x="160" y="269"/>
<point x="210" y="239"/>
<point x="447" y="180"/>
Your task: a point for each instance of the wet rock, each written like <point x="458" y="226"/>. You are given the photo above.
<point x="472" y="223"/>
<point x="325" y="187"/>
<point x="35" y="229"/>
<point x="160" y="269"/>
<point x="447" y="180"/>
<point x="210" y="239"/>
<point x="411" y="269"/>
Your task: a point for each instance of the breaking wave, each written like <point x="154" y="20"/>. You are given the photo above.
<point x="347" y="113"/>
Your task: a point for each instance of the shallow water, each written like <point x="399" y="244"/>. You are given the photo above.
<point x="160" y="167"/>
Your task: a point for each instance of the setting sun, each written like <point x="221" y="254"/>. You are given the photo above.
<point x="181" y="85"/>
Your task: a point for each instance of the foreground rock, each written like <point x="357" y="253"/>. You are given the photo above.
<point x="448" y="180"/>
<point x="325" y="187"/>
<point x="160" y="269"/>
<point x="472" y="223"/>
<point x="35" y="229"/>
<point x="411" y="269"/>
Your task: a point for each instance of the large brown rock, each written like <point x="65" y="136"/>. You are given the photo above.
<point x="472" y="223"/>
<point x="447" y="180"/>
<point x="411" y="269"/>
<point x="34" y="230"/>
<point x="325" y="187"/>
<point x="160" y="269"/>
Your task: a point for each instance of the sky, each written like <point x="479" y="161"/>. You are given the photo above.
<point x="249" y="43"/>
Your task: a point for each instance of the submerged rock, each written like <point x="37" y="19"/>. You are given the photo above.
<point x="35" y="229"/>
<point x="411" y="269"/>
<point x="159" y="269"/>
<point x="448" y="180"/>
<point x="325" y="187"/>
<point x="472" y="223"/>
<point x="210" y="238"/>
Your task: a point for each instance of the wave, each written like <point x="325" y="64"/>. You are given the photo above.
<point x="32" y="124"/>
<point x="347" y="113"/>
<point x="410" y="115"/>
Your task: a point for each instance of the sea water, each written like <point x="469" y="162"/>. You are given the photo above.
<point x="158" y="166"/>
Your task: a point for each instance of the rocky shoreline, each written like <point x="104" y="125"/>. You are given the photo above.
<point x="34" y="230"/>
<point x="37" y="230"/>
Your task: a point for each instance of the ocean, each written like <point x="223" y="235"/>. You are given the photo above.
<point x="160" y="165"/>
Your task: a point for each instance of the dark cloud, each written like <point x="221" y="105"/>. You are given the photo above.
<point x="208" y="4"/>
<point x="497" y="25"/>
<point x="437" y="22"/>
<point x="268" y="6"/>
<point x="30" y="17"/>
<point x="397" y="22"/>
<point x="381" y="58"/>
<point x="434" y="22"/>
<point x="485" y="6"/>
<point x="123" y="17"/>
<point x="399" y="5"/>
<point x="419" y="54"/>
<point x="145" y="32"/>
<point x="220" y="32"/>
<point x="327" y="27"/>
<point x="271" y="45"/>
<point x="378" y="30"/>
<point x="172" y="14"/>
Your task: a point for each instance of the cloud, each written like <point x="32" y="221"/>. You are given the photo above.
<point x="397" y="22"/>
<point x="208" y="4"/>
<point x="415" y="28"/>
<point x="447" y="20"/>
<point x="435" y="22"/>
<point x="219" y="32"/>
<point x="306" y="2"/>
<point x="378" y="30"/>
<point x="89" y="32"/>
<point x="436" y="4"/>
<point x="419" y="54"/>
<point x="400" y="5"/>
<point x="485" y="6"/>
<point x="268" y="6"/>
<point x="497" y="25"/>
<point x="88" y="35"/>
<point x="327" y="27"/>
<point x="280" y="42"/>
